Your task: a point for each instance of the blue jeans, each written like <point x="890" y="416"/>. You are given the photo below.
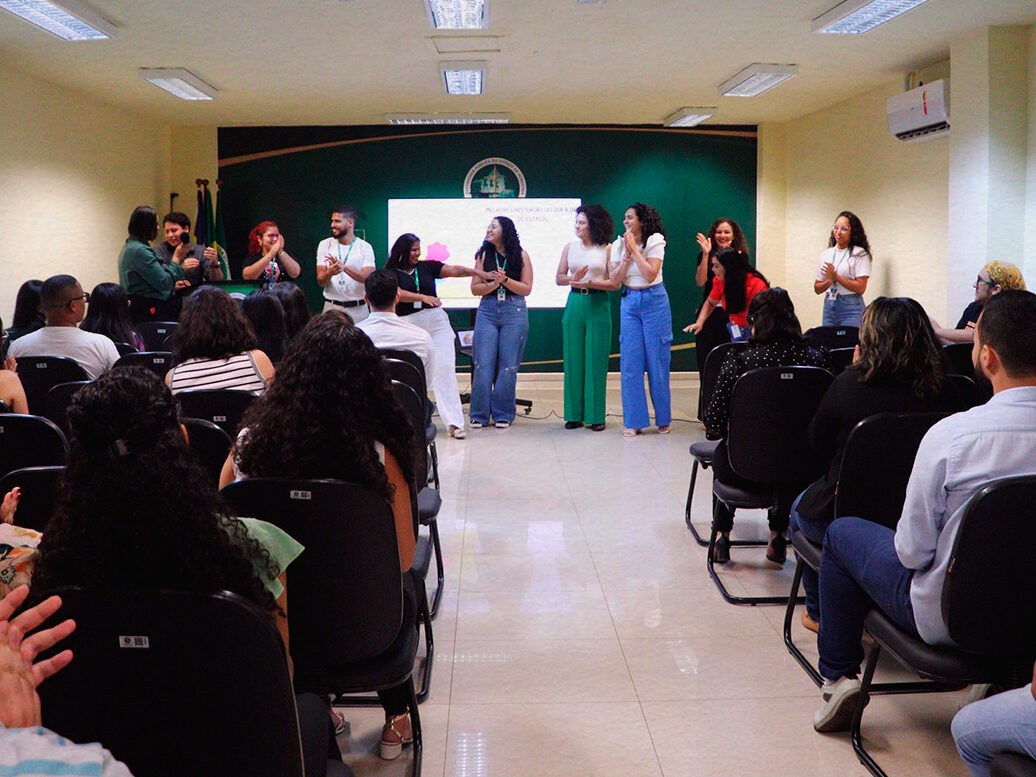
<point x="814" y="532"/>
<point x="496" y="353"/>
<point x="843" y="310"/>
<point x="858" y="572"/>
<point x="645" y="338"/>
<point x="1002" y="723"/>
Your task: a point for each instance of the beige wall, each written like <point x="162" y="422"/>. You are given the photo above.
<point x="194" y="155"/>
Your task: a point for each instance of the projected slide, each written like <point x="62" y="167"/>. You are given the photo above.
<point x="451" y="231"/>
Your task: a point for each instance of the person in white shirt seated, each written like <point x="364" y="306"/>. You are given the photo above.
<point x="64" y="304"/>
<point x="385" y="328"/>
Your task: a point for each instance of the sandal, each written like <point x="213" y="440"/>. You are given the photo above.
<point x="393" y="738"/>
<point x="456" y="432"/>
<point x="663" y="430"/>
<point x="338" y="718"/>
<point x="630" y="433"/>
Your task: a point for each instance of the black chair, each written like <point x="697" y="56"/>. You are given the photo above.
<point x="970" y="393"/>
<point x="702" y="452"/>
<point x="1012" y="765"/>
<point x="830" y="337"/>
<point x="840" y="358"/>
<point x="124" y="348"/>
<point x="209" y="443"/>
<point x="155" y="333"/>
<point x="159" y="362"/>
<point x="3" y="407"/>
<point x="170" y="692"/>
<point x="767" y="443"/>
<point x="406" y="367"/>
<point x="958" y="359"/>
<point x="223" y="407"/>
<point x="872" y="481"/>
<point x="58" y="400"/>
<point x="39" y="374"/>
<point x="30" y="441"/>
<point x="986" y="596"/>
<point x="40" y="488"/>
<point x="345" y="595"/>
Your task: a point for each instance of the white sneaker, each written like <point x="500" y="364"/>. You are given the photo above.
<point x="502" y="424"/>
<point x="839" y="704"/>
<point x="475" y="424"/>
<point x="456" y="433"/>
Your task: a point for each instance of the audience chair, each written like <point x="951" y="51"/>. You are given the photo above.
<point x="1012" y="765"/>
<point x="840" y="358"/>
<point x="985" y="605"/>
<point x="58" y="400"/>
<point x="159" y="362"/>
<point x="166" y="689"/>
<point x="155" y="333"/>
<point x="872" y="481"/>
<point x="767" y="442"/>
<point x="347" y="630"/>
<point x="830" y="337"/>
<point x="223" y="407"/>
<point x="39" y="374"/>
<point x="406" y="367"/>
<point x="124" y="348"/>
<point x="209" y="443"/>
<point x="3" y="407"/>
<point x="970" y="393"/>
<point x="40" y="489"/>
<point x="957" y="359"/>
<point x="30" y="441"/>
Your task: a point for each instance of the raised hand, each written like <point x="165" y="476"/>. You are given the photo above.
<point x="705" y="244"/>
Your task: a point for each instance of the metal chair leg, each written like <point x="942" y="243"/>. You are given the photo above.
<point x="429" y="643"/>
<point x="789" y="614"/>
<point x="415" y="727"/>
<point x="861" y="702"/>
<point x="433" y="530"/>
<point x="751" y="601"/>
<point x="687" y="509"/>
<point x="433" y="455"/>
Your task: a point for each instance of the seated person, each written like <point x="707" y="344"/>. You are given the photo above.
<point x="898" y="369"/>
<point x="1005" y="723"/>
<point x="11" y="392"/>
<point x="902" y="572"/>
<point x="64" y="305"/>
<point x="108" y="315"/>
<point x="215" y="347"/>
<point x="267" y="260"/>
<point x="385" y="328"/>
<point x="28" y="311"/>
<point x="992" y="279"/>
<point x="775" y="340"/>
<point x="265" y="313"/>
<point x="296" y="310"/>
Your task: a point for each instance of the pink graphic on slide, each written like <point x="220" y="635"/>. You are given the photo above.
<point x="438" y="252"/>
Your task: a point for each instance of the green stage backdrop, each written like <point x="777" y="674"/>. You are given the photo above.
<point x="296" y="175"/>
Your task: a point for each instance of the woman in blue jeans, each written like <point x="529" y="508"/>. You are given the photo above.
<point x="501" y="325"/>
<point x="844" y="270"/>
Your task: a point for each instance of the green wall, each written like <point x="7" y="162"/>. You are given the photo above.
<point x="690" y="177"/>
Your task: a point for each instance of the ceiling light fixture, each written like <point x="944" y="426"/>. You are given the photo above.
<point x="458" y="14"/>
<point x="756" y="79"/>
<point x="448" y="118"/>
<point x="68" y="20"/>
<point x="180" y="83"/>
<point x="688" y="117"/>
<point x="463" y="77"/>
<point x="856" y="16"/>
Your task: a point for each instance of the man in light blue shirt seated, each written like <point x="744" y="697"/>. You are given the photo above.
<point x="866" y="565"/>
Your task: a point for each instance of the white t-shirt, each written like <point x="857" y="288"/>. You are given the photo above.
<point x="852" y="262"/>
<point x="95" y="353"/>
<point x="387" y="330"/>
<point x="357" y="255"/>
<point x="655" y="249"/>
<point x="595" y="258"/>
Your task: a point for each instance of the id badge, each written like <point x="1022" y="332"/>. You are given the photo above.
<point x="501" y="294"/>
<point x="417" y="304"/>
<point x="735" y="331"/>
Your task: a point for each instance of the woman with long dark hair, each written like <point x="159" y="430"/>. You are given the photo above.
<point x="296" y="310"/>
<point x="734" y="285"/>
<point x="501" y="326"/>
<point x="267" y="260"/>
<point x="108" y="315"/>
<point x="844" y="270"/>
<point x="265" y="313"/>
<point x="28" y="310"/>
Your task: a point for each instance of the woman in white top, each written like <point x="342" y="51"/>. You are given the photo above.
<point x="646" y="320"/>
<point x="844" y="270"/>
<point x="587" y="323"/>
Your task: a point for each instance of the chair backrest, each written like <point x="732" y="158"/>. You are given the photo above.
<point x="958" y="359"/>
<point x="345" y="590"/>
<point x="407" y="373"/>
<point x="829" y="337"/>
<point x="876" y="465"/>
<point x="30" y="441"/>
<point x="770" y="411"/>
<point x="176" y="683"/>
<point x="415" y="412"/>
<point x="155" y="333"/>
<point x="58" y="400"/>
<point x="223" y="407"/>
<point x="969" y="392"/>
<point x="840" y="358"/>
<point x="3" y="407"/>
<point x="40" y="489"/>
<point x="124" y="348"/>
<point x="403" y="355"/>
<point x="159" y="362"/>
<point x="991" y="580"/>
<point x="713" y="363"/>
<point x="39" y="374"/>
<point x="209" y="443"/>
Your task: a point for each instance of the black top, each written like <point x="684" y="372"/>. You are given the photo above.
<point x="512" y="269"/>
<point x="272" y="273"/>
<point x="427" y="271"/>
<point x="199" y="274"/>
<point x="846" y="403"/>
<point x="970" y="315"/>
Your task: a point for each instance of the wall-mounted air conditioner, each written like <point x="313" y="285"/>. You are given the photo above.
<point x="921" y="113"/>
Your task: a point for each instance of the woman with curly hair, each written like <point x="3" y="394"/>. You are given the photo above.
<point x="646" y="320"/>
<point x="501" y="326"/>
<point x="844" y="270"/>
<point x="586" y="325"/>
<point x="734" y="285"/>
<point x="216" y="348"/>
<point x="108" y="315"/>
<point x="267" y="260"/>
<point x="331" y="414"/>
<point x="296" y="311"/>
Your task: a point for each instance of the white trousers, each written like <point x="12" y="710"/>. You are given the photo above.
<point x="357" y="312"/>
<point x="444" y="376"/>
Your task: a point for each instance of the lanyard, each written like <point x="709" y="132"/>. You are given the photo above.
<point x="347" y="253"/>
<point x="501" y="292"/>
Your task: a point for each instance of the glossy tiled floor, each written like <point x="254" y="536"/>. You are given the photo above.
<point x="580" y="635"/>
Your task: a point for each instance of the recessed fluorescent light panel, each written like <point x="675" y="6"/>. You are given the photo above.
<point x="67" y="20"/>
<point x="756" y="79"/>
<point x="180" y="83"/>
<point x="448" y="118"/>
<point x="458" y="14"/>
<point x="688" y="117"/>
<point x="856" y="16"/>
<point x="463" y="77"/>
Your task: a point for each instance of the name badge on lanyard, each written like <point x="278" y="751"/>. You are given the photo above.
<point x="417" y="286"/>
<point x="501" y="292"/>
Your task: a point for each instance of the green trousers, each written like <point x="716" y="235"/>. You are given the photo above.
<point x="587" y="331"/>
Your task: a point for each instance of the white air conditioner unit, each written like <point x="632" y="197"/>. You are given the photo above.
<point x="921" y="113"/>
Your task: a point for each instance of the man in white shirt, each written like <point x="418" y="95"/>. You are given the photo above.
<point x="64" y="304"/>
<point x="867" y="565"/>
<point x="343" y="263"/>
<point x="385" y="328"/>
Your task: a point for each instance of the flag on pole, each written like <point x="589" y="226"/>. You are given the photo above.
<point x="201" y="221"/>
<point x="219" y="234"/>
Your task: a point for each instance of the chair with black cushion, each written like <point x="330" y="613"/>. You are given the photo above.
<point x="958" y="359"/>
<point x="406" y="367"/>
<point x="159" y="362"/>
<point x="1012" y="765"/>
<point x="124" y="348"/>
<point x="155" y="333"/>
<point x="767" y="443"/>
<point x="171" y="695"/>
<point x="223" y="407"/>
<point x="876" y="464"/>
<point x="986" y="605"/>
<point x="30" y="441"/>
<point x="347" y="634"/>
<point x="58" y="400"/>
<point x="39" y="374"/>
<point x="40" y="489"/>
<point x="831" y="337"/>
<point x="840" y="358"/>
<point x="703" y="451"/>
<point x="969" y="392"/>
<point x="209" y="443"/>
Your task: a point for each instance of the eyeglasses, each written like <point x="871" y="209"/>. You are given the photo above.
<point x="85" y="297"/>
<point x="980" y="279"/>
<point x="839" y="228"/>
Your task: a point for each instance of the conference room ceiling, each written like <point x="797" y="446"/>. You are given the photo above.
<point x="613" y="61"/>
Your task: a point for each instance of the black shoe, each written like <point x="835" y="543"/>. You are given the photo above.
<point x="721" y="553"/>
<point x="573" y="424"/>
<point x="777" y="551"/>
<point x="596" y="427"/>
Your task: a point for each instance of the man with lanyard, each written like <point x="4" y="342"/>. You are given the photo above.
<point x="343" y="263"/>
